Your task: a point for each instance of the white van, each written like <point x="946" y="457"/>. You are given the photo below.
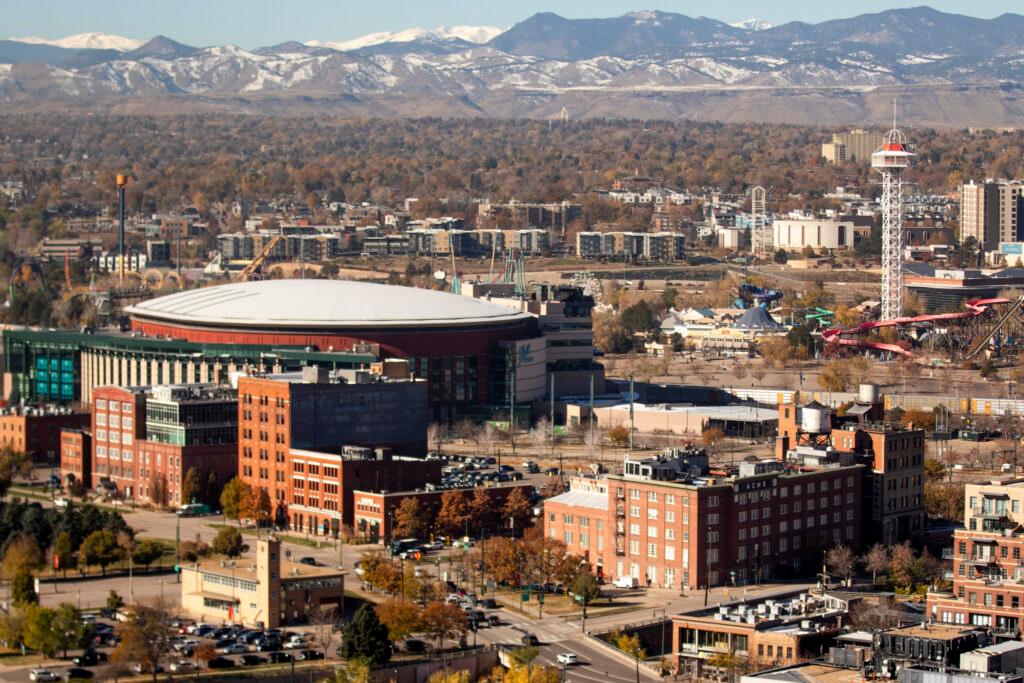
<point x="627" y="582"/>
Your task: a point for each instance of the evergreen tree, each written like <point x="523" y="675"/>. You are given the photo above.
<point x="366" y="638"/>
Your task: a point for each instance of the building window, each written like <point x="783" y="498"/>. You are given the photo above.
<point x="652" y="550"/>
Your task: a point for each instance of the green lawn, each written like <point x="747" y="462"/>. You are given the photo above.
<point x="22" y="492"/>
<point x="296" y="540"/>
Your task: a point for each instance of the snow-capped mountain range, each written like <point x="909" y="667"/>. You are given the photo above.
<point x="476" y="35"/>
<point x="87" y="41"/>
<point x="641" y="64"/>
<point x="754" y="24"/>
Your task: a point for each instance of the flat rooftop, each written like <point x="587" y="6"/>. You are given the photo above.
<point x="811" y="672"/>
<point x="734" y="413"/>
<point x="935" y="631"/>
<point x="244" y="568"/>
<point x="583" y="499"/>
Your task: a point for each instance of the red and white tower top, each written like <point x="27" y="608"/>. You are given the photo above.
<point x="893" y="153"/>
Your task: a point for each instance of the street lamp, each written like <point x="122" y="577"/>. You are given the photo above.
<point x="664" y="618"/>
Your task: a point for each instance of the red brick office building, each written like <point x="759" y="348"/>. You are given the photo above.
<point x="672" y="522"/>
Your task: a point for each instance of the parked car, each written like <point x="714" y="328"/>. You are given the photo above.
<point x="494" y="620"/>
<point x="530" y="639"/>
<point x="182" y="666"/>
<point x="295" y="644"/>
<point x="311" y="561"/>
<point x="77" y="673"/>
<point x="279" y="657"/>
<point x="415" y="645"/>
<point x="90" y="658"/>
<point x="251" y="660"/>
<point x="220" y="663"/>
<point x="268" y="646"/>
<point x="233" y="649"/>
<point x="138" y="668"/>
<point x="567" y="659"/>
<point x="42" y="675"/>
<point x="309" y="655"/>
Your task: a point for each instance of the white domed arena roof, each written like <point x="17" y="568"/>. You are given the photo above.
<point x="321" y="304"/>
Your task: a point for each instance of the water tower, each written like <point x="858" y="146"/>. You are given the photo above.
<point x="890" y="160"/>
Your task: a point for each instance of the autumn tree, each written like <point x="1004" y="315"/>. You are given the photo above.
<point x="548" y="559"/>
<point x="841" y="561"/>
<point x="834" y="377"/>
<point x="409" y="520"/>
<point x="401" y="617"/>
<point x="191" y="486"/>
<point x="231" y="498"/>
<point x="146" y="635"/>
<point x="21" y="556"/>
<point x="901" y="566"/>
<point x="255" y="505"/>
<point x="517" y="508"/>
<point x="876" y="560"/>
<point x="482" y="512"/>
<point x="443" y="620"/>
<point x="619" y="435"/>
<point x="453" y="515"/>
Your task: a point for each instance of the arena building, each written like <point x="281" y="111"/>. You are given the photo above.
<point x="465" y="348"/>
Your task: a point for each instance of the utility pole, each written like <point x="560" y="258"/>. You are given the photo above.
<point x="631" y="421"/>
<point x="122" y="182"/>
<point x="177" y="549"/>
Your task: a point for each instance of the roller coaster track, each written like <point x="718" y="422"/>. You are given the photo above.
<point x="1011" y="314"/>
<point x="975" y="308"/>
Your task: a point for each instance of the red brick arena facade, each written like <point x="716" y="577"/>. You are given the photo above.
<point x="451" y="341"/>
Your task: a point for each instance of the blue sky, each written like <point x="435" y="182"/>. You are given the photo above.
<point x="253" y="23"/>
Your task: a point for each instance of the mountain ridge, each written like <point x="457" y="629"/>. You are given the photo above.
<point x="661" y="62"/>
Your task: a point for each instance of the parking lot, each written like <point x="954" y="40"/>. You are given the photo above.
<point x="194" y="647"/>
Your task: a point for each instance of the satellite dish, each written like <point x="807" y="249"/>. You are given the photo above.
<point x="440" y="275"/>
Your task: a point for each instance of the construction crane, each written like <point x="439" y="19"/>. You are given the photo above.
<point x="254" y="265"/>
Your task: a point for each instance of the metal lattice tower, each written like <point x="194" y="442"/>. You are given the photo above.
<point x="889" y="160"/>
<point x="761" y="240"/>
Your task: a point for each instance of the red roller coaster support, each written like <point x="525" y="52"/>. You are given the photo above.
<point x="975" y="307"/>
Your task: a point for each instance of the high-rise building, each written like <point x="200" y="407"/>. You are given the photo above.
<point x="990" y="212"/>
<point x="855" y="145"/>
<point x="318" y="411"/>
